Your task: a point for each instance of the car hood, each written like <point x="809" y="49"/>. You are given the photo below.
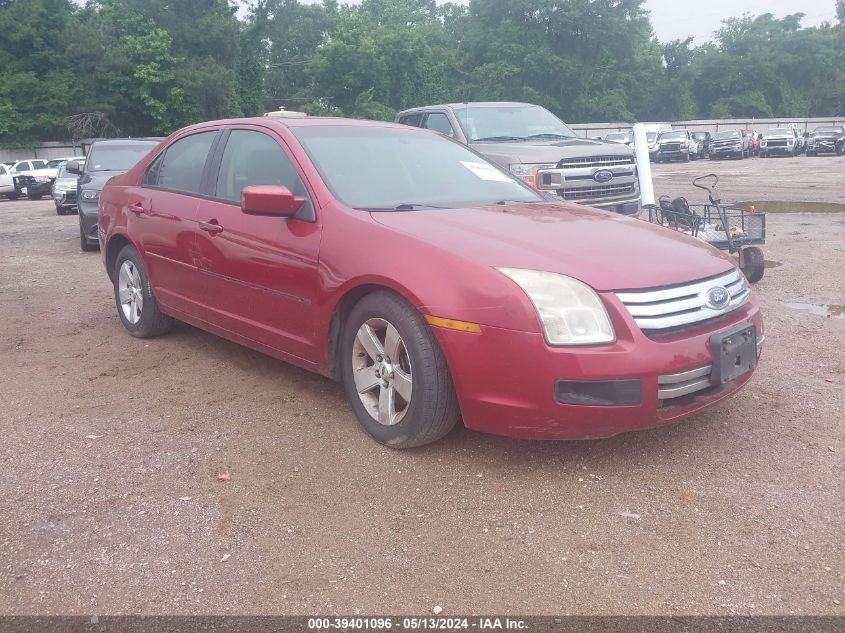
<point x="511" y="153"/>
<point x="97" y="179"/>
<point x="603" y="249"/>
<point x="50" y="173"/>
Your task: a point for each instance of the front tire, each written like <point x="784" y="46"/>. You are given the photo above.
<point x="60" y="210"/>
<point x="395" y="374"/>
<point x="84" y="244"/>
<point x="752" y="263"/>
<point x="133" y="296"/>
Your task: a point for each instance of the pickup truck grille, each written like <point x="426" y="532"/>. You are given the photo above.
<point x="670" y="147"/>
<point x="660" y="309"/>
<point x="595" y="161"/>
<point x="599" y="191"/>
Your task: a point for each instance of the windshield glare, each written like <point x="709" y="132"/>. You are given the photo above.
<point x="385" y="168"/>
<point x="668" y="136"/>
<point x="511" y="123"/>
<point x="117" y="157"/>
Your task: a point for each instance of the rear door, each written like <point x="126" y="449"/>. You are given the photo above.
<point x="163" y="212"/>
<point x="260" y="273"/>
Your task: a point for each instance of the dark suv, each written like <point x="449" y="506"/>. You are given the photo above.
<point x="105" y="159"/>
<point x="830" y="140"/>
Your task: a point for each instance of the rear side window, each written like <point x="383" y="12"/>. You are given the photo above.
<point x="180" y="167"/>
<point x="254" y="158"/>
<point x="412" y="119"/>
<point x="439" y="122"/>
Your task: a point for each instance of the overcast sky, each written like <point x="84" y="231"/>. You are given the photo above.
<point x="678" y="19"/>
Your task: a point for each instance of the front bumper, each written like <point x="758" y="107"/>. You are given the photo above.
<point x="508" y="382"/>
<point x="729" y="150"/>
<point x="670" y="154"/>
<point x="66" y="198"/>
<point x="88" y="216"/>
<point x="778" y="149"/>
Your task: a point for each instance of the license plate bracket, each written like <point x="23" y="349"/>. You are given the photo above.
<point x="734" y="353"/>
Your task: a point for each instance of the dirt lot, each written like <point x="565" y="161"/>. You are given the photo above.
<point x="111" y="447"/>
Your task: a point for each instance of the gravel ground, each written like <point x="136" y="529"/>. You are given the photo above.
<point x="112" y="449"/>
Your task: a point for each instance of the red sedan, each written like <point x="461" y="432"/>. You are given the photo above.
<point x="432" y="283"/>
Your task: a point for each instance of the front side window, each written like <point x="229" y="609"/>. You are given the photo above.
<point x="402" y="169"/>
<point x="253" y="158"/>
<point x="181" y="166"/>
<point x="439" y="122"/>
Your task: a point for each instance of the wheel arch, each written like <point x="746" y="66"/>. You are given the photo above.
<point x="115" y="244"/>
<point x="347" y="299"/>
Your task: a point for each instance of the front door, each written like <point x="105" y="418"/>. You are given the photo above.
<point x="260" y="272"/>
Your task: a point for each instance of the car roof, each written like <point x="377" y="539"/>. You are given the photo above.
<point x="127" y="141"/>
<point x="271" y="122"/>
<point x="471" y="104"/>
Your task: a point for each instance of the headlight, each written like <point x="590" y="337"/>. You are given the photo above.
<point x="90" y="194"/>
<point x="528" y="172"/>
<point x="569" y="310"/>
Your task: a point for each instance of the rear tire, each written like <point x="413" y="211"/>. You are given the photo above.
<point x="60" y="210"/>
<point x="752" y="263"/>
<point x="384" y="336"/>
<point x="133" y="296"/>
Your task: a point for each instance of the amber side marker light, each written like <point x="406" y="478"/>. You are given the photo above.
<point x="451" y="324"/>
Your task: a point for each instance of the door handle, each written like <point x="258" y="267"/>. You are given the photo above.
<point x="212" y="226"/>
<point x="137" y="208"/>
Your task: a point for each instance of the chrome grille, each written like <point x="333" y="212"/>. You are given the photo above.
<point x="595" y="161"/>
<point x="663" y="308"/>
<point x="670" y="147"/>
<point x="601" y="191"/>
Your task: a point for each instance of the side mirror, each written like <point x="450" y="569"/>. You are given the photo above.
<point x="73" y="167"/>
<point x="271" y="200"/>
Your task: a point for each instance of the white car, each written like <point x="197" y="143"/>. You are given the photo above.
<point x="36" y="168"/>
<point x="54" y="164"/>
<point x="7" y="185"/>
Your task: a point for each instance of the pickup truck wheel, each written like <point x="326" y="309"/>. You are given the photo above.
<point x="134" y="298"/>
<point x="14" y="196"/>
<point x="395" y="374"/>
<point x="34" y="196"/>
<point x="752" y="263"/>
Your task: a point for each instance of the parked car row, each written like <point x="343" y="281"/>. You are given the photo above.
<point x="685" y="145"/>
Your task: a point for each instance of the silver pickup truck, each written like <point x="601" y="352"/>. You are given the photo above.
<point x="536" y="146"/>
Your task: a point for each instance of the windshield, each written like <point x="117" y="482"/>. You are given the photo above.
<point x="827" y="130"/>
<point x="617" y="136"/>
<point x="118" y="157"/>
<point x="699" y="135"/>
<point x="730" y="134"/>
<point x="672" y="136"/>
<point x="517" y="123"/>
<point x="651" y="136"/>
<point x="375" y="168"/>
<point x="780" y="131"/>
<point x="54" y="163"/>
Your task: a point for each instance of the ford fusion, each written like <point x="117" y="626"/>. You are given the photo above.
<point x="434" y="285"/>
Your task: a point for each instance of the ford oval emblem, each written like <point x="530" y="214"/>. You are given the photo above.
<point x="717" y="298"/>
<point x="603" y="175"/>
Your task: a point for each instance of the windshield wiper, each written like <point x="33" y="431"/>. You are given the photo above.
<point x="498" y="139"/>
<point x="550" y="135"/>
<point x="405" y="206"/>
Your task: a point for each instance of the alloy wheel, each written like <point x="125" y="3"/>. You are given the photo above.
<point x="381" y="369"/>
<point x="130" y="292"/>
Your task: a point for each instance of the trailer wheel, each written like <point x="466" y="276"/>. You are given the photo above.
<point x="752" y="263"/>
